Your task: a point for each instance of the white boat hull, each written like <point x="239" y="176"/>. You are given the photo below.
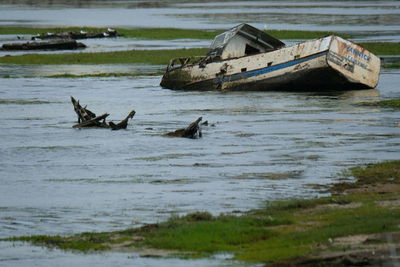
<point x="329" y="63"/>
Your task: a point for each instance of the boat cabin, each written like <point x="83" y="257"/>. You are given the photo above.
<point x="242" y="40"/>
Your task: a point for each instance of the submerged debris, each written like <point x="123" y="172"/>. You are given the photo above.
<point x="88" y="119"/>
<point x="76" y="35"/>
<point x="50" y="45"/>
<point x="192" y="131"/>
<point x="124" y="123"/>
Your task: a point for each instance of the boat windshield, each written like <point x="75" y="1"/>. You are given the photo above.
<point x="237" y="41"/>
<point x="223" y="38"/>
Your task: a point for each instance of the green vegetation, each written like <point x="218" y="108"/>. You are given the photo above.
<point x="302" y="35"/>
<point x="106" y="74"/>
<point x="152" y="57"/>
<point x="165" y="33"/>
<point x="391" y="65"/>
<point x="156" y="57"/>
<point x="168" y="33"/>
<point x="382" y="48"/>
<point x="282" y="230"/>
<point x="385" y="172"/>
<point x="87" y="241"/>
<point x="395" y="103"/>
<point x="21" y="102"/>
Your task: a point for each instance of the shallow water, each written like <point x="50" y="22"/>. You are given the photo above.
<point x="367" y="21"/>
<point x="260" y="146"/>
<point x="106" y="45"/>
<point x="21" y="254"/>
<point x="371" y="17"/>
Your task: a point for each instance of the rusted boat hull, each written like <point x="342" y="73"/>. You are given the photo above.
<point x="329" y="63"/>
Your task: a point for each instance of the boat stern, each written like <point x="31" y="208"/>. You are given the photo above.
<point x="354" y="62"/>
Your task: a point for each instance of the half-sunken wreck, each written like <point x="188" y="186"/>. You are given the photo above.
<point x="245" y="58"/>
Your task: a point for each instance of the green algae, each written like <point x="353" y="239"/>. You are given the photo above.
<point x="22" y="102"/>
<point x="150" y="57"/>
<point x="394" y="103"/>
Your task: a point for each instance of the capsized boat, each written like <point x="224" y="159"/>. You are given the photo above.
<point x="245" y="58"/>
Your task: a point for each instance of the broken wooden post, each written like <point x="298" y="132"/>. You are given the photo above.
<point x="124" y="123"/>
<point x="83" y="113"/>
<point x="86" y="118"/>
<point x="192" y="131"/>
<point x="95" y="122"/>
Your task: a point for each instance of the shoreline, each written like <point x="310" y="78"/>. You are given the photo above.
<point x="353" y="223"/>
<point x="162" y="56"/>
<point x="163" y="33"/>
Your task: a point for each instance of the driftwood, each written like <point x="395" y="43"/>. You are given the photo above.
<point x="88" y="119"/>
<point x="95" y="122"/>
<point x="192" y="131"/>
<point x="82" y="112"/>
<point x="76" y="35"/>
<point x="51" y="45"/>
<point x="124" y="123"/>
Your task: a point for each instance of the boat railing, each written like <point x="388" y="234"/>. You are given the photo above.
<point x="181" y="62"/>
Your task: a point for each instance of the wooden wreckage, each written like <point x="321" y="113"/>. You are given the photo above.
<point x="245" y="58"/>
<point x="88" y="119"/>
<point x="192" y="131"/>
<point x="50" y="45"/>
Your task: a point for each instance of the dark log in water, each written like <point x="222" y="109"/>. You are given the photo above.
<point x="124" y="123"/>
<point x="98" y="122"/>
<point x="192" y="131"/>
<point x="50" y="45"/>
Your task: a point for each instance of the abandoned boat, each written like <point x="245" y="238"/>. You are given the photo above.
<point x="245" y="58"/>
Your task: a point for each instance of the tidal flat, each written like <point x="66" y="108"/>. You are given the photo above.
<point x="354" y="221"/>
<point x="151" y="57"/>
<point x="157" y="56"/>
<point x="265" y="147"/>
<point x="163" y="33"/>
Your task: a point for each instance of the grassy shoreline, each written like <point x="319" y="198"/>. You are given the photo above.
<point x="158" y="57"/>
<point x="150" y="57"/>
<point x="164" y="33"/>
<point x="283" y="231"/>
